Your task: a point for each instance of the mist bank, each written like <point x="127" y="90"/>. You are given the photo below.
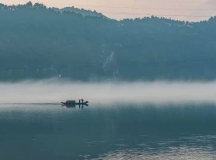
<point x="140" y="92"/>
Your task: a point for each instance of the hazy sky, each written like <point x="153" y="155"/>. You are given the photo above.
<point x="192" y="10"/>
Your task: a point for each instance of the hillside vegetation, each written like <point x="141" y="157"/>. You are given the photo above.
<point x="38" y="42"/>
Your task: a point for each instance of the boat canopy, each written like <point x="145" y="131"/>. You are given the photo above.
<point x="71" y="102"/>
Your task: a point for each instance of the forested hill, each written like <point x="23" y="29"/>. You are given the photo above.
<point x="83" y="12"/>
<point x="37" y="42"/>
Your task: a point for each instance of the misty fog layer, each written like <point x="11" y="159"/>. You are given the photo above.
<point x="158" y="92"/>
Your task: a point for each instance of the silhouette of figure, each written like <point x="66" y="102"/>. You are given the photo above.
<point x="79" y="103"/>
<point x="82" y="102"/>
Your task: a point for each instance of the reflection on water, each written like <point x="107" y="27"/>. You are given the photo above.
<point x="192" y="147"/>
<point x="49" y="131"/>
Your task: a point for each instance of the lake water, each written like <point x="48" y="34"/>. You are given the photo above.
<point x="49" y="131"/>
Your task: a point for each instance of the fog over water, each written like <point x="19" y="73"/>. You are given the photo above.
<point x="108" y="131"/>
<point x="56" y="91"/>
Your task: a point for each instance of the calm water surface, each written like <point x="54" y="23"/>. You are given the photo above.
<point x="49" y="131"/>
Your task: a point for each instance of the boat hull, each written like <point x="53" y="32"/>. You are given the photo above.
<point x="74" y="104"/>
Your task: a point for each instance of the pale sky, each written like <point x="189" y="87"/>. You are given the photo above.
<point x="191" y="10"/>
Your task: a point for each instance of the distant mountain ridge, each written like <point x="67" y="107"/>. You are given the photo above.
<point x="37" y="42"/>
<point x="80" y="11"/>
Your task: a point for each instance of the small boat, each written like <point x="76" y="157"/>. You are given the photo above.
<point x="73" y="103"/>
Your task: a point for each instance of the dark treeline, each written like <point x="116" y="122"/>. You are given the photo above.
<point x="38" y="42"/>
<point x="80" y="11"/>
